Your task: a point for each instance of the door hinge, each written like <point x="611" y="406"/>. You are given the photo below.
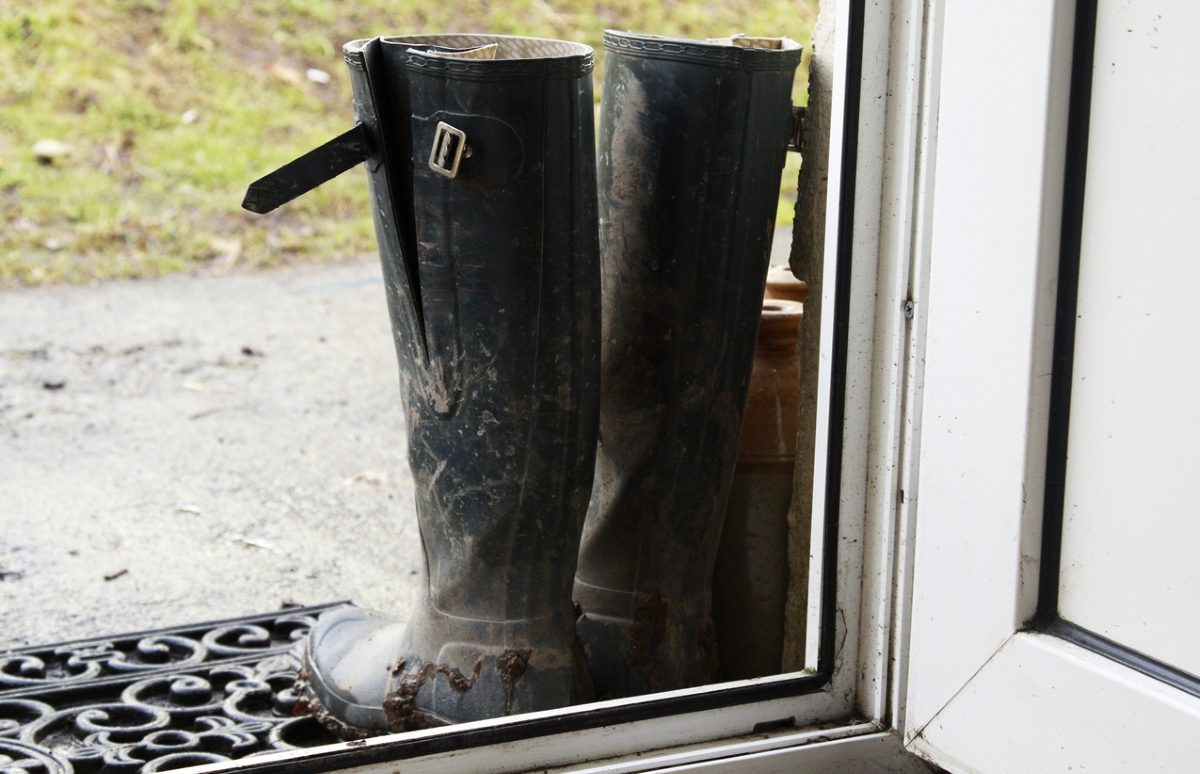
<point x="796" y="130"/>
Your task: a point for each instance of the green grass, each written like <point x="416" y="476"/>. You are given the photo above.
<point x="144" y="192"/>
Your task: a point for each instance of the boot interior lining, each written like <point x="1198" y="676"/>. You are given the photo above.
<point x="479" y="52"/>
<point x="768" y="44"/>
<point x="506" y="46"/>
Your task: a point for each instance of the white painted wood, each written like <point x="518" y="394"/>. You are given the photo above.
<point x="873" y="754"/>
<point x="577" y="747"/>
<point x="981" y="696"/>
<point x="996" y="195"/>
<point x="876" y="335"/>
<point x="561" y="752"/>
<point x="1131" y="532"/>
<point x="851" y="750"/>
<point x="920" y="221"/>
<point x="898" y="115"/>
<point x="892" y="128"/>
<point x="789" y="752"/>
<point x="1043" y="705"/>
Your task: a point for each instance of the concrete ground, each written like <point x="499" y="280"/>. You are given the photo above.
<point x="200" y="447"/>
<point x="191" y="448"/>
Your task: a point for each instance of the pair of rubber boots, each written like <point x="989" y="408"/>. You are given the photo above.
<point x="575" y="342"/>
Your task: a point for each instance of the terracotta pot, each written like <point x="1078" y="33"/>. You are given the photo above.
<point x="782" y="284"/>
<point x="751" y="576"/>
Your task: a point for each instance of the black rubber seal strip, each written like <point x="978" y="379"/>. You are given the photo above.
<point x="1177" y="678"/>
<point x="841" y="339"/>
<point x="1075" y="174"/>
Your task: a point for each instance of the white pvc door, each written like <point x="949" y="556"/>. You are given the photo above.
<point x="1056" y="605"/>
<point x="1131" y="520"/>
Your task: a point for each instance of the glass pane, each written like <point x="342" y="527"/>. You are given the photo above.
<point x="583" y="487"/>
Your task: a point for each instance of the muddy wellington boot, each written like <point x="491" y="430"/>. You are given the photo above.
<point x="692" y="142"/>
<point x="481" y="161"/>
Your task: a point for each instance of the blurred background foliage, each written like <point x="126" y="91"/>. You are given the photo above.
<point x="162" y="111"/>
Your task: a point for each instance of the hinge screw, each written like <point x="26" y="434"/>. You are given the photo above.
<point x="909" y="310"/>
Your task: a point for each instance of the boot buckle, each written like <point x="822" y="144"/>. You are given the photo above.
<point x="448" y="146"/>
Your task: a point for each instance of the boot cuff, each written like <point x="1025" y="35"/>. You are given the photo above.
<point x="742" y="53"/>
<point x="515" y="57"/>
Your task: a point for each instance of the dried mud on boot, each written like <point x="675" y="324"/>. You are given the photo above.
<point x="400" y="706"/>
<point x="647" y="633"/>
<point x="309" y="704"/>
<point x="712" y="656"/>
<point x="691" y="149"/>
<point x="511" y="665"/>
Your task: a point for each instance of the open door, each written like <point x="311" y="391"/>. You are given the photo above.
<point x="1056" y="592"/>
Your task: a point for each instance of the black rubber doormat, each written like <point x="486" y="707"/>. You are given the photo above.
<point x="157" y="700"/>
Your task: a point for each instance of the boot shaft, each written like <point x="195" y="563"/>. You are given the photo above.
<point x="494" y="296"/>
<point x="692" y="142"/>
<point x="481" y="160"/>
<point x="692" y="139"/>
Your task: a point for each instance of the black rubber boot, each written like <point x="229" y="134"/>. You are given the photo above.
<point x="482" y="172"/>
<point x="692" y="142"/>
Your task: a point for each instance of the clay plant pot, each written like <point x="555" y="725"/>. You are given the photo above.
<point x="750" y="580"/>
<point x="783" y="285"/>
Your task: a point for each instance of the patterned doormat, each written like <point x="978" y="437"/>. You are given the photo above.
<point x="157" y="700"/>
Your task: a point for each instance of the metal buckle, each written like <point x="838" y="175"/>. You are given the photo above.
<point x="448" y="146"/>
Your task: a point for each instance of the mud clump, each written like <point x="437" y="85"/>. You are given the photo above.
<point x="711" y="656"/>
<point x="401" y="706"/>
<point x="511" y="665"/>
<point x="647" y="633"/>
